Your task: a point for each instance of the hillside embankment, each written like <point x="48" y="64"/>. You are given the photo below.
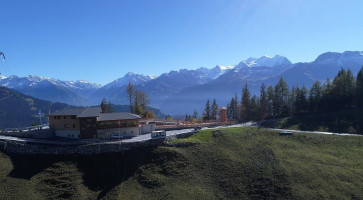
<point x="231" y="163"/>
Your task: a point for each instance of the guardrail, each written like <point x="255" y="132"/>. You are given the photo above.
<point x="24" y="129"/>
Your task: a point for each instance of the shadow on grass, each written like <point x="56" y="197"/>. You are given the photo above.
<point x="100" y="172"/>
<point x="27" y="166"/>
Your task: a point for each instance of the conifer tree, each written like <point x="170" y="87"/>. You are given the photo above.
<point x="235" y="107"/>
<point x="300" y="100"/>
<point x="103" y="105"/>
<point x="280" y="103"/>
<point x="207" y="111"/>
<point x="315" y="96"/>
<point x="195" y="114"/>
<point x="270" y="100"/>
<point x="343" y="89"/>
<point x="109" y="108"/>
<point x="130" y="95"/>
<point x="263" y="102"/>
<point x="291" y="101"/>
<point x="230" y="109"/>
<point x="245" y="104"/>
<point x="254" y="109"/>
<point x="140" y="102"/>
<point x="327" y="98"/>
<point x="214" y="112"/>
<point x="359" y="88"/>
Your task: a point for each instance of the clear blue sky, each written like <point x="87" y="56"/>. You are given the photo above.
<point x="100" y="41"/>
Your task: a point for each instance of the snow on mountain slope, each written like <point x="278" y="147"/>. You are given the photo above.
<point x="135" y="79"/>
<point x="215" y="72"/>
<point x="16" y="82"/>
<point x="265" y="61"/>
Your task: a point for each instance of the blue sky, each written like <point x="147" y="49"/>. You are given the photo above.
<point x="100" y="41"/>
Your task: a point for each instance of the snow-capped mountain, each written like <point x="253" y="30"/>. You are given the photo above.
<point x="324" y="66"/>
<point x="16" y="82"/>
<point x="264" y="61"/>
<point x="71" y="92"/>
<point x="180" y="91"/>
<point x="216" y="71"/>
<point x="116" y="90"/>
<point x="135" y="79"/>
<point x="225" y="86"/>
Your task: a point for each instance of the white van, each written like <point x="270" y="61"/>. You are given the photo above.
<point x="158" y="134"/>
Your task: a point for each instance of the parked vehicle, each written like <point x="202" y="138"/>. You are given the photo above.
<point x="283" y="133"/>
<point x="158" y="134"/>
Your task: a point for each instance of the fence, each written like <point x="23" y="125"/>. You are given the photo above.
<point x="38" y="132"/>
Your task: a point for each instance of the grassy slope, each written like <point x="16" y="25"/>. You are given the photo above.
<point x="232" y="163"/>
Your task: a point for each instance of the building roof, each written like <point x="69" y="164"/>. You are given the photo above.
<point x="90" y="112"/>
<point x="95" y="112"/>
<point x="117" y="116"/>
<point x="68" y="112"/>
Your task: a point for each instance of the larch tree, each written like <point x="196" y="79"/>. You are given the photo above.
<point x="130" y="95"/>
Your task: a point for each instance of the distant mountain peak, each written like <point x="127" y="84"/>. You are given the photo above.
<point x="129" y="77"/>
<point x="338" y="57"/>
<point x="129" y="74"/>
<point x="224" y="67"/>
<point x="265" y="61"/>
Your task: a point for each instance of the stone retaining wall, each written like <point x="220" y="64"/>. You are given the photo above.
<point x="16" y="147"/>
<point x="36" y="134"/>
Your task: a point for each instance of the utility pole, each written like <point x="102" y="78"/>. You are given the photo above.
<point x="40" y="119"/>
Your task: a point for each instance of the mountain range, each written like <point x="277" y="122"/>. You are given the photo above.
<point x="182" y="91"/>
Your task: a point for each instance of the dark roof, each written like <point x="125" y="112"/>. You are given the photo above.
<point x="117" y="116"/>
<point x="90" y="112"/>
<point x="68" y="112"/>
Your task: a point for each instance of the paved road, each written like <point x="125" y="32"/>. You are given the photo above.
<point x="65" y="142"/>
<point x="146" y="137"/>
<point x="314" y="132"/>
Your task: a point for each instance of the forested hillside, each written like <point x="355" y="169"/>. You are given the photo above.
<point x="340" y="100"/>
<point x="20" y="110"/>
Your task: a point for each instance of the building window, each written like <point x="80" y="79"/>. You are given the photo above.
<point x="64" y="117"/>
<point x="74" y="126"/>
<point x="73" y="117"/>
<point x="58" y="117"/>
<point x="55" y="117"/>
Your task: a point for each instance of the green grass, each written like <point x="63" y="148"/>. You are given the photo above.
<point x="233" y="163"/>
